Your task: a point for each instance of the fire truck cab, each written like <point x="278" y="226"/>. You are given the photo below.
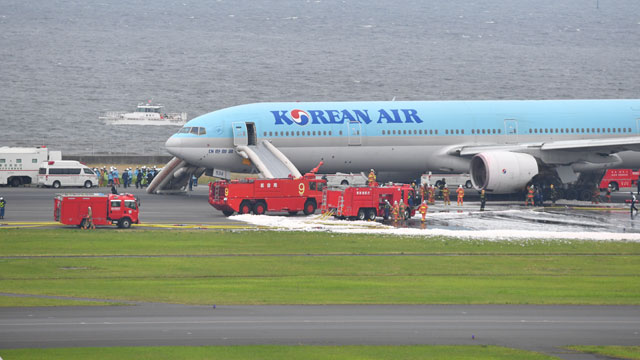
<point x="367" y="203"/>
<point x="119" y="209"/>
<point x="262" y="195"/>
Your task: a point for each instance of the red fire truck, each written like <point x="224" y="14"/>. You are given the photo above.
<point x="619" y="178"/>
<point x="262" y="195"/>
<point x="120" y="209"/>
<point x="360" y="202"/>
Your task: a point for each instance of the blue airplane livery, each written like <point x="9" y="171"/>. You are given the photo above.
<point x="504" y="145"/>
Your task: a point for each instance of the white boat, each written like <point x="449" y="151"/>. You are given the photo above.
<point x="145" y="114"/>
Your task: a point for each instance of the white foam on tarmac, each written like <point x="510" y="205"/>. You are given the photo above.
<point x="491" y="225"/>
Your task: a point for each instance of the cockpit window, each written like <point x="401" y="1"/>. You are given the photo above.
<point x="193" y="130"/>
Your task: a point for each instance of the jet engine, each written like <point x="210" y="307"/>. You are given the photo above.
<point x="502" y="172"/>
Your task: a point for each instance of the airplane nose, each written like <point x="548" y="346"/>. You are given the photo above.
<point x="174" y="146"/>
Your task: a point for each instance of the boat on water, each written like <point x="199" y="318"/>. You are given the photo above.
<point x="145" y="114"/>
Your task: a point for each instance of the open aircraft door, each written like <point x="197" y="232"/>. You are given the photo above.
<point x="511" y="131"/>
<point x="240" y="134"/>
<point x="354" y="131"/>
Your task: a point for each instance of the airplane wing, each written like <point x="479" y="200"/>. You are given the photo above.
<point x="599" y="146"/>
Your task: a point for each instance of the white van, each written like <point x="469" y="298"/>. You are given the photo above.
<point x="66" y="173"/>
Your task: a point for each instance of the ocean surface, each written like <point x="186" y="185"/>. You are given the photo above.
<point x="65" y="62"/>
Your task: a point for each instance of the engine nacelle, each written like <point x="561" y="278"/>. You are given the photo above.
<point x="502" y="172"/>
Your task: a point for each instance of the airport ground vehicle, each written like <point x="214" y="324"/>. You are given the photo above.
<point x="262" y="195"/>
<point x="339" y="178"/>
<point x="107" y="209"/>
<point x="66" y="173"/>
<point x="452" y="180"/>
<point x="367" y="203"/>
<point x="19" y="165"/>
<point x="619" y="178"/>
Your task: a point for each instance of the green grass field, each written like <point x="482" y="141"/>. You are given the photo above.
<point x="277" y="352"/>
<point x="618" y="352"/>
<point x="263" y="267"/>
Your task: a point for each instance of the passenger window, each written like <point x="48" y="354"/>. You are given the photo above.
<point x="131" y="204"/>
<point x="42" y="171"/>
<point x="34" y="161"/>
<point x="87" y="171"/>
<point x="18" y="161"/>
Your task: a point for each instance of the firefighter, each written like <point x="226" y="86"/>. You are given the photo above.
<point x="633" y="204"/>
<point x="553" y="194"/>
<point x="608" y="194"/>
<point x="595" y="197"/>
<point x="432" y="195"/>
<point x="529" y="196"/>
<point x="402" y="207"/>
<point x="445" y="195"/>
<point x="422" y="191"/>
<point x="372" y="178"/>
<point x="460" y="193"/>
<point x="3" y="205"/>
<point x="387" y="209"/>
<point x="116" y="177"/>
<point x="395" y="211"/>
<point x="483" y="199"/>
<point x="88" y="220"/>
<point x="423" y="210"/>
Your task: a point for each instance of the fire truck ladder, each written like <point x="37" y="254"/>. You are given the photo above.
<point x="340" y="205"/>
<point x="270" y="161"/>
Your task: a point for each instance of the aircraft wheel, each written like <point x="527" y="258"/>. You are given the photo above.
<point x="468" y="184"/>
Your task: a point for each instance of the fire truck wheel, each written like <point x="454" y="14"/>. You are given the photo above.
<point x="309" y="207"/>
<point x="124" y="223"/>
<point x="56" y="184"/>
<point x="227" y="212"/>
<point x="371" y="214"/>
<point x="245" y="207"/>
<point x="362" y="214"/>
<point x="614" y="186"/>
<point x="407" y="214"/>
<point x="260" y="208"/>
<point x="88" y="184"/>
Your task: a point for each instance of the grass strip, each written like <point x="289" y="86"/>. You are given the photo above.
<point x="68" y="241"/>
<point x="619" y="352"/>
<point x="479" y="352"/>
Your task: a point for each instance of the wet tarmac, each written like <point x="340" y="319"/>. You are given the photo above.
<point x="30" y="206"/>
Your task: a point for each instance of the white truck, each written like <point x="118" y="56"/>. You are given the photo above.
<point x="338" y="179"/>
<point x="452" y="180"/>
<point x="20" y="165"/>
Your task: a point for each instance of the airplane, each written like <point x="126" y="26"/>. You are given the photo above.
<point x="503" y="144"/>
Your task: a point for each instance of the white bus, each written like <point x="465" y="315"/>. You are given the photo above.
<point x="66" y="173"/>
<point x="19" y="165"/>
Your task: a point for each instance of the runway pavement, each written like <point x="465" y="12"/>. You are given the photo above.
<point x="537" y="328"/>
<point x="31" y="204"/>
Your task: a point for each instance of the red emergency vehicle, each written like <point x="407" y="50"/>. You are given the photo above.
<point x="619" y="178"/>
<point x="262" y="195"/>
<point x="360" y="202"/>
<point x="120" y="209"/>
